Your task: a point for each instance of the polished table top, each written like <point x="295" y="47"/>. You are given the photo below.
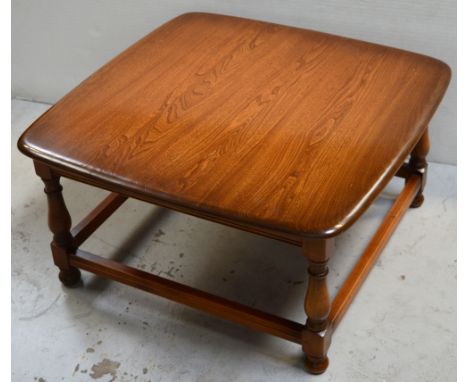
<point x="268" y="125"/>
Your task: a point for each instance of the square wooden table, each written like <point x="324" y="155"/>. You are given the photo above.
<point x="280" y="131"/>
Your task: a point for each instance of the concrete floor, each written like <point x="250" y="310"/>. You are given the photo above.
<point x="401" y="327"/>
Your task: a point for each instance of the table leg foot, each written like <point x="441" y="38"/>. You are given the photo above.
<point x="316" y="365"/>
<point x="315" y="345"/>
<point x="70" y="277"/>
<point x="418" y="201"/>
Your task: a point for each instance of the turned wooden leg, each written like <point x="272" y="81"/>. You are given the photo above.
<point x="418" y="163"/>
<point x="317" y="333"/>
<point x="59" y="223"/>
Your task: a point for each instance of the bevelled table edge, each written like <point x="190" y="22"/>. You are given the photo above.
<point x="115" y="184"/>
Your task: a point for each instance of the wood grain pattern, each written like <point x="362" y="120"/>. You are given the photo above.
<point x="263" y="124"/>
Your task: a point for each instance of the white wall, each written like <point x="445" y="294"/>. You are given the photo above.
<point x="58" y="43"/>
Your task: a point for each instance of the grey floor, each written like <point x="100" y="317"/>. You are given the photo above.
<point x="401" y="327"/>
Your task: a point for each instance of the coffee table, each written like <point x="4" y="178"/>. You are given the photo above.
<point x="284" y="132"/>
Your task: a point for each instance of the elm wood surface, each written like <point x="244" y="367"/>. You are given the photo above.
<point x="245" y="121"/>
